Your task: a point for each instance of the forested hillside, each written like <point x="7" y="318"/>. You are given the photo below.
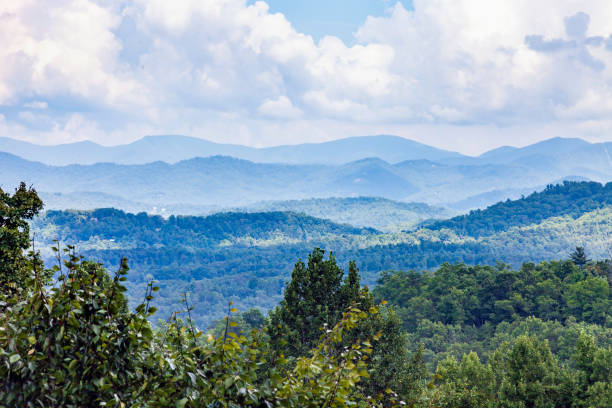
<point x="572" y="199"/>
<point x="247" y="257"/>
<point x="232" y="228"/>
<point x="459" y="308"/>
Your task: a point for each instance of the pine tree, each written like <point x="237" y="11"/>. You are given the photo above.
<point x="578" y="257"/>
<point x="313" y="300"/>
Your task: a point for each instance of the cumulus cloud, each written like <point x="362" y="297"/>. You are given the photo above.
<point x="110" y="71"/>
<point x="63" y="48"/>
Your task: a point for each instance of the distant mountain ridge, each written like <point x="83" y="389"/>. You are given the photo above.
<point x="391" y="149"/>
<point x="556" y="145"/>
<point x="175" y="148"/>
<point x="202" y="185"/>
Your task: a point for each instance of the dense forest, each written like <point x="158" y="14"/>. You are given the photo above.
<point x="460" y="308"/>
<point x="460" y="336"/>
<point x="248" y="257"/>
<point x="569" y="198"/>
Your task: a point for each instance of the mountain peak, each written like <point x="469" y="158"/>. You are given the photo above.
<point x="549" y="147"/>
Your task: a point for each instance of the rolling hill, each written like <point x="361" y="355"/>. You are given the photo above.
<point x="247" y="257"/>
<point x="214" y="181"/>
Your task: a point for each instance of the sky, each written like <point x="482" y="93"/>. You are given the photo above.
<point x="465" y="75"/>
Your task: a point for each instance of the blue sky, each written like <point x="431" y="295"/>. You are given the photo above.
<point x="340" y="18"/>
<point x="458" y="74"/>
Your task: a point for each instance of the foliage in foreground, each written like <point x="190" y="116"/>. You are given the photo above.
<point x="77" y="344"/>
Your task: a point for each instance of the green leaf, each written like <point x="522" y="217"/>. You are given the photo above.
<point x="228" y="382"/>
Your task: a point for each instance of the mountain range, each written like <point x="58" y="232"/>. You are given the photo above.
<point x="404" y="171"/>
<point x="392" y="149"/>
<point x="172" y="149"/>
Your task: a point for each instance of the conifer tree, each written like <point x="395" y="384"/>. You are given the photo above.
<point x="578" y="256"/>
<point x="312" y="300"/>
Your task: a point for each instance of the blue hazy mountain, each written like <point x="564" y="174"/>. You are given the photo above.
<point x="201" y="185"/>
<point x="212" y="181"/>
<point x="590" y="160"/>
<point x="551" y="147"/>
<point x="172" y="149"/>
<point x="385" y="166"/>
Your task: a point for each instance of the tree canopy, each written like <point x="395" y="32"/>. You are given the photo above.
<point x="15" y="211"/>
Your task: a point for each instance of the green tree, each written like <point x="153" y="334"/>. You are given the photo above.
<point x="315" y="299"/>
<point x="75" y="344"/>
<point x="594" y="366"/>
<point x="390" y="365"/>
<point x="15" y="211"/>
<point x="243" y="323"/>
<point x="578" y="257"/>
<point x="589" y="300"/>
<point x="529" y="376"/>
<point x="466" y="384"/>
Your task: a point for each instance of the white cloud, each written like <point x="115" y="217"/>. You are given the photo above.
<point x="279" y="108"/>
<point x="63" y="48"/>
<point x="201" y="67"/>
<point x="471" y="57"/>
